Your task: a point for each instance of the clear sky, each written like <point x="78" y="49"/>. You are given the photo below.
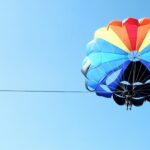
<point x="42" y="45"/>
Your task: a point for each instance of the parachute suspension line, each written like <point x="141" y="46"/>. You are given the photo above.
<point x="119" y="91"/>
<point x="134" y="70"/>
<point x="144" y="92"/>
<point x="146" y="85"/>
<point x="124" y="86"/>
<point x="145" y="78"/>
<point x="144" y="71"/>
<point x="130" y="71"/>
<point x="138" y="72"/>
<point x="129" y="95"/>
<point x="143" y="87"/>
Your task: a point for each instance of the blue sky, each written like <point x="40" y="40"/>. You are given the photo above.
<point x="42" y="45"/>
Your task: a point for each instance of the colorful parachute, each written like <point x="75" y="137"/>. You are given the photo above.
<point x="117" y="62"/>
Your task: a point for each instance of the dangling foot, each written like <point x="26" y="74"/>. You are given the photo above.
<point x="127" y="105"/>
<point x="130" y="106"/>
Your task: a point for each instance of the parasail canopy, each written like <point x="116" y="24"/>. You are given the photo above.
<point x="117" y="61"/>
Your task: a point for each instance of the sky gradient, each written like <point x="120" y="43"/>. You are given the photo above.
<point x="42" y="45"/>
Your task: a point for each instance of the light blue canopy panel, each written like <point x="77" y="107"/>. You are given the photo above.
<point x="100" y="45"/>
<point x="107" y="64"/>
